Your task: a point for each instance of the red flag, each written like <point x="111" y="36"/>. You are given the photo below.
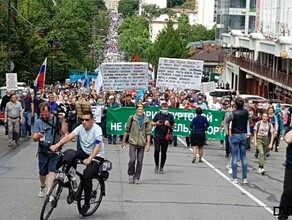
<point x="136" y="58"/>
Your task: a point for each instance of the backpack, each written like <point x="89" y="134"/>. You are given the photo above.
<point x="259" y="125"/>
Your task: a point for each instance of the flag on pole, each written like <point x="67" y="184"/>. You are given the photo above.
<point x="40" y="80"/>
<point x="151" y="71"/>
<point x="86" y="79"/>
<point x="136" y="58"/>
<point x="139" y="96"/>
<point x="98" y="81"/>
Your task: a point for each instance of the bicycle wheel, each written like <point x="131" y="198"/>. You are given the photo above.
<point x="51" y="200"/>
<point x="96" y="197"/>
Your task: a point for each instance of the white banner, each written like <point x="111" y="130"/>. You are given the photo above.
<point x="11" y="81"/>
<point x="96" y="111"/>
<point x="125" y="76"/>
<point x="179" y="73"/>
<point x="208" y="86"/>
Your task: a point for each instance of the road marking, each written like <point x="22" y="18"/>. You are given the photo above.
<point x="259" y="202"/>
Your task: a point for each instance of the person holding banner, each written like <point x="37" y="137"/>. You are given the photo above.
<point x="164" y="123"/>
<point x="140" y="129"/>
<point x="199" y="126"/>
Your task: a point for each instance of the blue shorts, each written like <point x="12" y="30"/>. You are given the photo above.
<point x="47" y="163"/>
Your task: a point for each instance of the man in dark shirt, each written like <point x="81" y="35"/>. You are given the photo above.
<point x="286" y="198"/>
<point x="163" y="122"/>
<point x="36" y="102"/>
<point x="27" y="114"/>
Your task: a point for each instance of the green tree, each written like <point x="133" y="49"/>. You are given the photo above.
<point x="134" y="37"/>
<point x="128" y="7"/>
<point x="33" y="29"/>
<point x="168" y="44"/>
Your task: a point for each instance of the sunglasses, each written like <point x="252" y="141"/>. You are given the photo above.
<point x="84" y="119"/>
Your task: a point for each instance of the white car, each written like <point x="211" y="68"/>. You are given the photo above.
<point x="219" y="93"/>
<point x="247" y="97"/>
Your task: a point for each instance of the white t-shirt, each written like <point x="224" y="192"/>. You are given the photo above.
<point x="89" y="139"/>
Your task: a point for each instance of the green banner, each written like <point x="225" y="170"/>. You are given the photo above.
<point x="116" y="119"/>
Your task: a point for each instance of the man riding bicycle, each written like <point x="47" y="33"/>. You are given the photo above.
<point x="89" y="147"/>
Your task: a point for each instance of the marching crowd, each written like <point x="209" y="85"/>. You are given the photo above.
<point x="244" y="122"/>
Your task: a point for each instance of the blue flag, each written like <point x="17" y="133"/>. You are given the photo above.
<point x="140" y="95"/>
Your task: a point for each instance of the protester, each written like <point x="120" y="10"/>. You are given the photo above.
<point x="286" y="198"/>
<point x="164" y="123"/>
<point x="13" y="117"/>
<point x="199" y="127"/>
<point x="46" y="131"/>
<point x="238" y="140"/>
<point x="264" y="137"/>
<point x="139" y="127"/>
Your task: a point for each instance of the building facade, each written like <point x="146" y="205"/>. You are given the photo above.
<point x="235" y="15"/>
<point x="206" y="13"/>
<point x="261" y="62"/>
<point x="112" y="4"/>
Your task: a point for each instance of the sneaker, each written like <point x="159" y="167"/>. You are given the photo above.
<point x="175" y="144"/>
<point x="261" y="171"/>
<point x="194" y="160"/>
<point x="200" y="161"/>
<point x="131" y="179"/>
<point x="161" y="170"/>
<point x="84" y="209"/>
<point x="221" y="146"/>
<point x="228" y="166"/>
<point x="11" y="143"/>
<point x="234" y="181"/>
<point x="244" y="181"/>
<point x="156" y="169"/>
<point x="42" y="192"/>
<point x="229" y="171"/>
<point x="109" y="142"/>
<point x="136" y="181"/>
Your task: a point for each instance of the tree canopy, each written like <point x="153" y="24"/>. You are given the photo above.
<point x="128" y="7"/>
<point x="59" y="30"/>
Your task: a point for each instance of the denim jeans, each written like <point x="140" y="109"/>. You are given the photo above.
<point x="238" y="143"/>
<point x="112" y="138"/>
<point x="26" y="123"/>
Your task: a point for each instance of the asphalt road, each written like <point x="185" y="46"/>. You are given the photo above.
<point x="185" y="191"/>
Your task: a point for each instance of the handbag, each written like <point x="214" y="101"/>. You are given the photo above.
<point x="168" y="136"/>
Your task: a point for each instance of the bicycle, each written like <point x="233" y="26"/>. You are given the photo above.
<point x="64" y="180"/>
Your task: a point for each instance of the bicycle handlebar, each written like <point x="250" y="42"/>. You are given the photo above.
<point x="79" y="161"/>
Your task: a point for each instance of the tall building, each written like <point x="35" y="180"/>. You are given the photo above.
<point x="274" y="18"/>
<point x="235" y="15"/>
<point x="261" y="62"/>
<point x="206" y="12"/>
<point x="112" y="4"/>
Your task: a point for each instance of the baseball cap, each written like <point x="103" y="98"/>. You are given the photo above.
<point x="111" y="97"/>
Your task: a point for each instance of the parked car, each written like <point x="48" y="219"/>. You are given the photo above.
<point x="247" y="97"/>
<point x="219" y="93"/>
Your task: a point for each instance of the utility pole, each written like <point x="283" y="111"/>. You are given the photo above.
<point x="9" y="37"/>
<point x="94" y="43"/>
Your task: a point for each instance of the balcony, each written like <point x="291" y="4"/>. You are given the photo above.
<point x="283" y="78"/>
